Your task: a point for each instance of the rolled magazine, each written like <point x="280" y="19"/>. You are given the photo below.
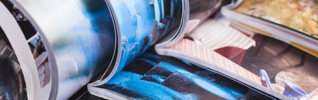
<point x="80" y="40"/>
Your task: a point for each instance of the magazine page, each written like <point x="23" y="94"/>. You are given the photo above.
<point x="175" y="28"/>
<point x="300" y="15"/>
<point x="186" y="49"/>
<point x="141" y="25"/>
<point x="273" y="22"/>
<point x="260" y="60"/>
<point x="196" y="12"/>
<point x="26" y="67"/>
<point x="155" y="77"/>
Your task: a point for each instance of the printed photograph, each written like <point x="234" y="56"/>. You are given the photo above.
<point x="41" y="59"/>
<point x="159" y="77"/>
<point x="300" y="15"/>
<point x="12" y="84"/>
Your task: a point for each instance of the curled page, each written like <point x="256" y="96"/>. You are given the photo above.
<point x="92" y="40"/>
<point x="27" y="68"/>
<point x="157" y="77"/>
<point x="141" y="24"/>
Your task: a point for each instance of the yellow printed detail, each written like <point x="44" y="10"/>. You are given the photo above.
<point x="300" y="15"/>
<point x="255" y="29"/>
<point x="306" y="49"/>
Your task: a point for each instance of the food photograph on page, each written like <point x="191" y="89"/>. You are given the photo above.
<point x="301" y="15"/>
<point x="12" y="84"/>
<point x="156" y="77"/>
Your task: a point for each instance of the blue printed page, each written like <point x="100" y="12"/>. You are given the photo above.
<point x="143" y="23"/>
<point x="155" y="77"/>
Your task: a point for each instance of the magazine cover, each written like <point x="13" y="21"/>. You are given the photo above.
<point x="261" y="60"/>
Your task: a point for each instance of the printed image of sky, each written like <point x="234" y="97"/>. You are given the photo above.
<point x="163" y="78"/>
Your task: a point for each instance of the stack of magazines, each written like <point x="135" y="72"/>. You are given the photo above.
<point x="159" y="49"/>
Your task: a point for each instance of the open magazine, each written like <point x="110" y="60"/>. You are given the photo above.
<point x="151" y="49"/>
<point x="286" y="41"/>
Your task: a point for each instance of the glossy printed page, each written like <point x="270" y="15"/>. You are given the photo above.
<point x="81" y="35"/>
<point x="143" y="23"/>
<point x="155" y="77"/>
<point x="259" y="59"/>
<point x="300" y="15"/>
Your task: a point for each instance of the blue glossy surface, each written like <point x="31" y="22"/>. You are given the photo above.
<point x="152" y="90"/>
<point x="158" y="88"/>
<point x="136" y="21"/>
